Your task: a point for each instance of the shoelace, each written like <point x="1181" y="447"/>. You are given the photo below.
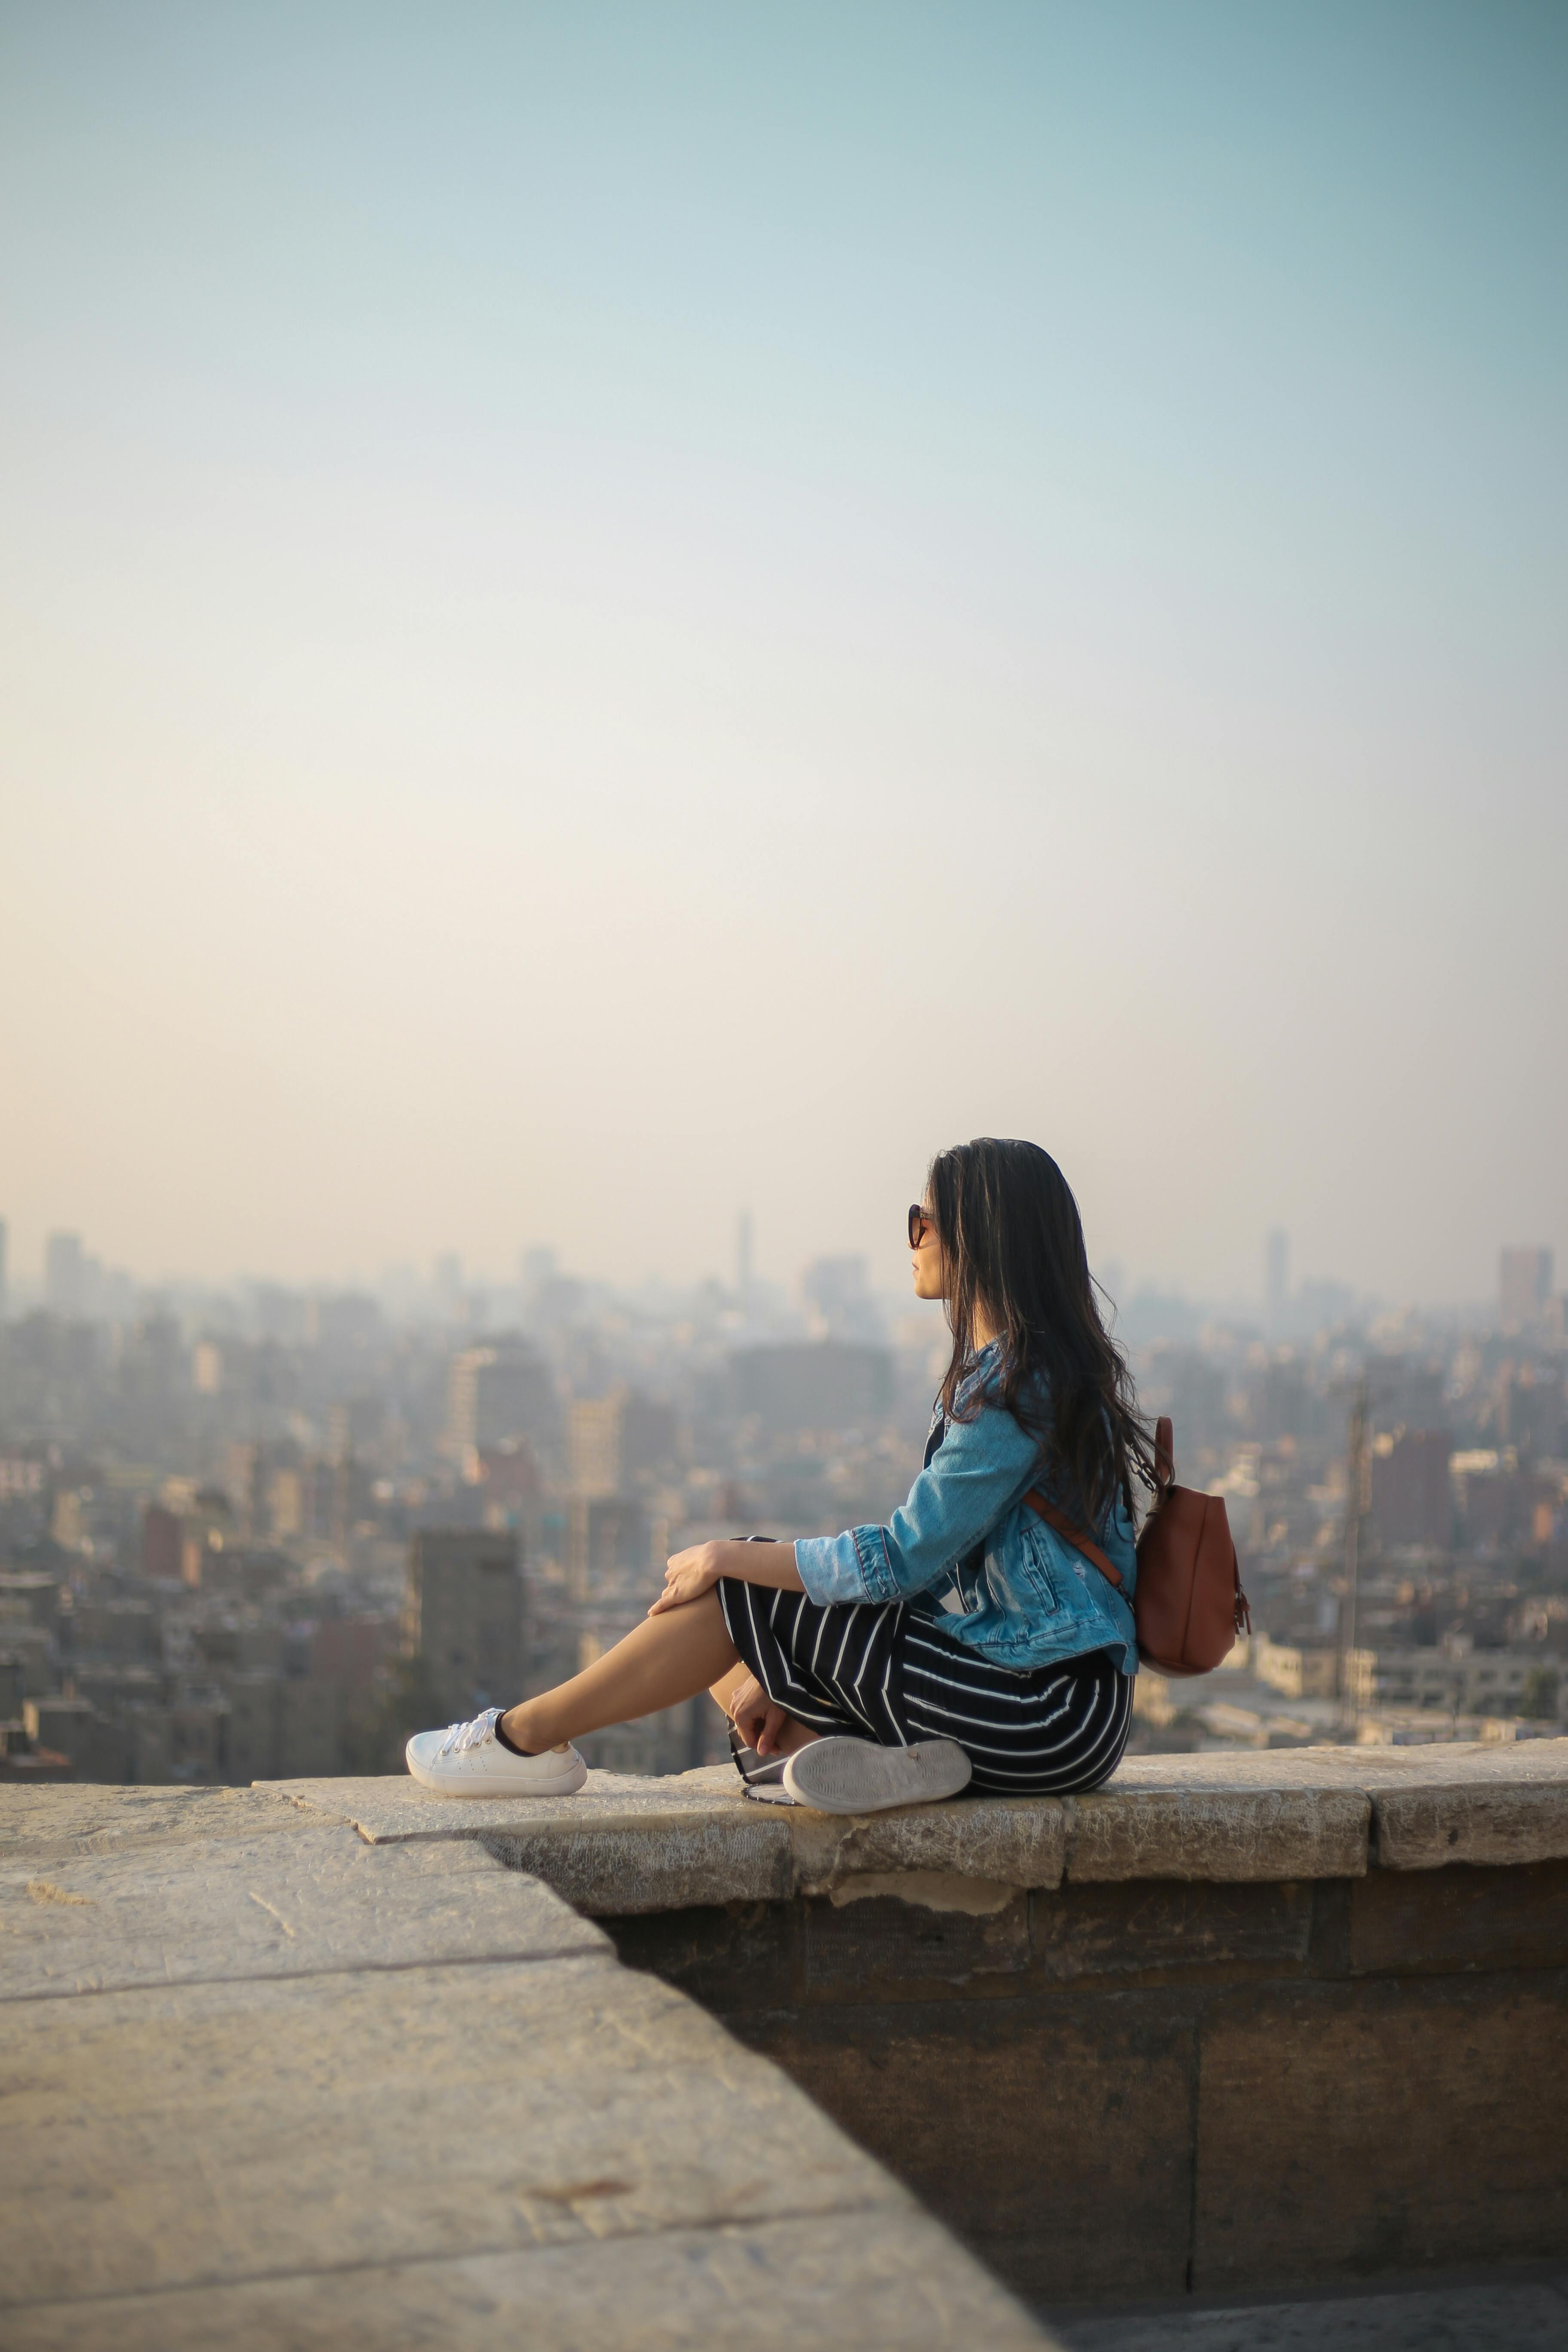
<point x="461" y="1737"/>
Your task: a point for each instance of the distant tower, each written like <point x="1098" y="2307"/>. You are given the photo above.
<point x="1524" y="1285"/>
<point x="1276" y="1277"/>
<point x="63" y="1274"/>
<point x="1" y="1270"/>
<point x="744" y="1255"/>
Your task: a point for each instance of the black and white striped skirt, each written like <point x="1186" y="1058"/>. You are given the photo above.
<point x="881" y="1670"/>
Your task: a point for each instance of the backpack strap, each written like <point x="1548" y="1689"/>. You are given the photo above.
<point x="1034" y="1501"/>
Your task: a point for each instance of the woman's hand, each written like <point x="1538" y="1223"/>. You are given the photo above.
<point x="758" y="1718"/>
<point x="687" y="1575"/>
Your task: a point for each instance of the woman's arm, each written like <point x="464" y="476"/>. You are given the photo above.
<point x="980" y="1469"/>
<point x="690" y="1574"/>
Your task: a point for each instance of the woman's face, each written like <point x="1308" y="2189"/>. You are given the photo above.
<point x="928" y="1262"/>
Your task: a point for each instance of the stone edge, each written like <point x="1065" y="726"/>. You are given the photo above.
<point x="647" y="1859"/>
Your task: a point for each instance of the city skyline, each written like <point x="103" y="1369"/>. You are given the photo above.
<point x="70" y="1278"/>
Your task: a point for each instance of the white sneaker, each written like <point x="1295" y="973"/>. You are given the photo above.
<point x="466" y="1760"/>
<point x="854" y="1776"/>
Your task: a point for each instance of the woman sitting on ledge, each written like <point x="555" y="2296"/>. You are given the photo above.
<point x="968" y="1641"/>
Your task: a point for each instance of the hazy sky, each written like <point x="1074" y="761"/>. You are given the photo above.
<point x="607" y="613"/>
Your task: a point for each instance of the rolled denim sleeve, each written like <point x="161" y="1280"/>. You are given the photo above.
<point x="983" y="1467"/>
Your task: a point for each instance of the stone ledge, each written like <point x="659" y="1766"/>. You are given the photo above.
<point x="310" y="2089"/>
<point x="315" y="1903"/>
<point x="625" y="1845"/>
<point x="851" y="2282"/>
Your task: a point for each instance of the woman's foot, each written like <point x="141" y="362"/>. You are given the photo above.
<point x="466" y="1760"/>
<point x="854" y="1776"/>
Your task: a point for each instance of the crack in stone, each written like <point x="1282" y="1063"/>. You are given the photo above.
<point x="272" y="1908"/>
<point x="708" y="2225"/>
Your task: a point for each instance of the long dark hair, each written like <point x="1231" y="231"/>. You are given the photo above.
<point x="1010" y="1229"/>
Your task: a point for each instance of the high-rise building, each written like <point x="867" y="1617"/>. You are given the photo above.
<point x="1412" y="1497"/>
<point x="2" y="1239"/>
<point x="463" y="1616"/>
<point x="497" y="1394"/>
<point x="743" y="1255"/>
<point x="609" y="1544"/>
<point x="616" y="1440"/>
<point x="1524" y="1285"/>
<point x="63" y="1273"/>
<point x="1276" y="1277"/>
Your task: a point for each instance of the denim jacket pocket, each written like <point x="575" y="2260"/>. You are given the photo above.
<point x="1035" y="1561"/>
<point x="1022" y="1579"/>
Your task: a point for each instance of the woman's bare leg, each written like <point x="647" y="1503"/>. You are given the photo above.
<point x="659" y="1662"/>
<point x="724" y="1689"/>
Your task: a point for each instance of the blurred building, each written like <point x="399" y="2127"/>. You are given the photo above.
<point x="616" y="1440"/>
<point x="1529" y="1408"/>
<point x="463" y="1615"/>
<point x="340" y="1325"/>
<point x="1411" y="1495"/>
<point x="1313" y="1672"/>
<point x="162" y="1543"/>
<point x="1276" y="1278"/>
<point x="610" y="1543"/>
<point x="497" y="1394"/>
<point x="826" y="1384"/>
<point x="63" y="1273"/>
<point x="1524" y="1287"/>
<point x="3" y="1238"/>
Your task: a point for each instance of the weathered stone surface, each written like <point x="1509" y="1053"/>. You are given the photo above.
<point x="225" y="2131"/>
<point x="1430" y="1923"/>
<point x="886" y="1948"/>
<point x="847" y="2281"/>
<point x="621" y="1845"/>
<point x="264" y="2105"/>
<point x="656" y="1866"/>
<point x="625" y="1845"/>
<point x="269" y="1906"/>
<point x="1187" y="1829"/>
<point x="1138" y="1928"/>
<point x="1053" y="2135"/>
<point x="1505" y="1804"/>
<point x="1345" y="2129"/>
<point x="1006" y="1841"/>
<point x="1212" y="1816"/>
<point x="46" y="1824"/>
<point x="390" y="1807"/>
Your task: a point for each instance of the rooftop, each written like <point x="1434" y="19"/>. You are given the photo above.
<point x="334" y="2061"/>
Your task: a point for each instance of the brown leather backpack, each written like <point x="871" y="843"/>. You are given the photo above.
<point x="1187" y="1603"/>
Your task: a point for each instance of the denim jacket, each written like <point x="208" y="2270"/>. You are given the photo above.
<point x="973" y="1561"/>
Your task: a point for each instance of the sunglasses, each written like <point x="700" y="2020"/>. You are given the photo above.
<point x="922" y="1222"/>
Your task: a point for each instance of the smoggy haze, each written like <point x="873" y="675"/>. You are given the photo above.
<point x="609" y="614"/>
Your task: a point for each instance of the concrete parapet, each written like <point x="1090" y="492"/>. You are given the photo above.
<point x="339" y="2061"/>
<point x="626" y="1846"/>
<point x="263" y="2083"/>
